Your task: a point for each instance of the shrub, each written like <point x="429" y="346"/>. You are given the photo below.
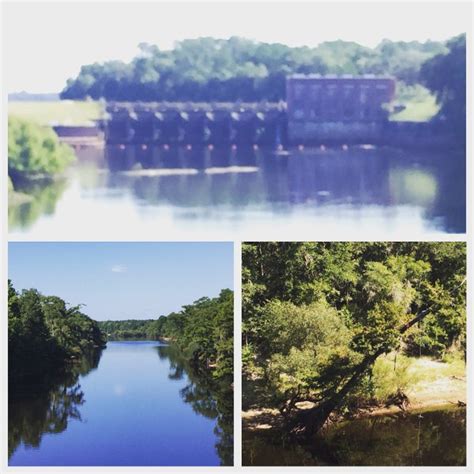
<point x="35" y="150"/>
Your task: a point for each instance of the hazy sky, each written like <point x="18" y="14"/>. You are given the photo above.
<point x="123" y="280"/>
<point x="46" y="43"/>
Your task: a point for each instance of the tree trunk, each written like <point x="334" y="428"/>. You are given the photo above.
<point x="311" y="421"/>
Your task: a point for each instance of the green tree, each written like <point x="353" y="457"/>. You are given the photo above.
<point x="35" y="150"/>
<point x="445" y="76"/>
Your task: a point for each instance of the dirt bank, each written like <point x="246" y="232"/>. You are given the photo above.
<point x="438" y="385"/>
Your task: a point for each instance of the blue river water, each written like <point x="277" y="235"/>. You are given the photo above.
<point x="132" y="410"/>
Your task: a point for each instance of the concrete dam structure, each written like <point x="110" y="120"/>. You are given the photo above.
<point x="196" y="124"/>
<point x="320" y="110"/>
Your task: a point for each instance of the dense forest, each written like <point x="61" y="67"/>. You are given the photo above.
<point x="203" y="331"/>
<point x="208" y="69"/>
<point x="319" y="319"/>
<point x="45" y="336"/>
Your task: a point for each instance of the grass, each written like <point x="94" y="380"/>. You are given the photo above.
<point x="426" y="381"/>
<point x="61" y="112"/>
<point x="420" y="104"/>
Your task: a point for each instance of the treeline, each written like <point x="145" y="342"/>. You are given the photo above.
<point x="128" y="329"/>
<point x="203" y="330"/>
<point x="44" y="335"/>
<point x="208" y="69"/>
<point x="317" y="316"/>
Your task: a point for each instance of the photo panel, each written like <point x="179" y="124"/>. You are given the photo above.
<point x="120" y="354"/>
<point x="227" y="128"/>
<point x="354" y="354"/>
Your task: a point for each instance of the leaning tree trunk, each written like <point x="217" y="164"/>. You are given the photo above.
<point x="309" y="422"/>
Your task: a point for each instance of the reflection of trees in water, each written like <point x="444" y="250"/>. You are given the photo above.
<point x="355" y="177"/>
<point x="34" y="411"/>
<point x="208" y="397"/>
<point x="41" y="199"/>
<point x="433" y="181"/>
<point x="187" y="190"/>
<point x="435" y="438"/>
<point x="449" y="206"/>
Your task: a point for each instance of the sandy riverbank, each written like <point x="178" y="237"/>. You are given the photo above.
<point x="438" y="386"/>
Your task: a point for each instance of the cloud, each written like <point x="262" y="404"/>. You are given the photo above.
<point x="119" y="268"/>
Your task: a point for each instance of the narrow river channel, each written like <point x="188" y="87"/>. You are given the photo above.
<point x="137" y="404"/>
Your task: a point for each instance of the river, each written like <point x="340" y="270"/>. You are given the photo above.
<point x="225" y="194"/>
<point x="435" y="437"/>
<point x="137" y="404"/>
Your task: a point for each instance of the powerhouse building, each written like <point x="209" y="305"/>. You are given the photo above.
<point x="334" y="108"/>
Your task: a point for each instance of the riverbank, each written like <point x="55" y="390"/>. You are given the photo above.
<point x="436" y="385"/>
<point x="434" y="437"/>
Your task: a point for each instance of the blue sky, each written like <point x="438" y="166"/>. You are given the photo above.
<point x="123" y="280"/>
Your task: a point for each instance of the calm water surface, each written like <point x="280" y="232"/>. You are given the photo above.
<point x="138" y="405"/>
<point x="430" y="438"/>
<point x="227" y="194"/>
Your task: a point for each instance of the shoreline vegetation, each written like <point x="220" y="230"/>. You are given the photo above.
<point x="46" y="338"/>
<point x="334" y="332"/>
<point x="35" y="152"/>
<point x="203" y="332"/>
<point x="438" y="385"/>
<point x="45" y="335"/>
<point x="37" y="161"/>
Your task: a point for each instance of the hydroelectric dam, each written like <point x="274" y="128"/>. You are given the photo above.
<point x="318" y="111"/>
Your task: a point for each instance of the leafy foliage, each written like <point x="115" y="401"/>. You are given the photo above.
<point x="35" y="150"/>
<point x="203" y="331"/>
<point x="43" y="334"/>
<point x="315" y="314"/>
<point x="208" y="69"/>
<point x="445" y="76"/>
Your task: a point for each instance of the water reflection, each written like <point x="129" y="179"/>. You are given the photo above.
<point x="252" y="190"/>
<point x="430" y="438"/>
<point x="34" y="411"/>
<point x="206" y="396"/>
<point x="32" y="201"/>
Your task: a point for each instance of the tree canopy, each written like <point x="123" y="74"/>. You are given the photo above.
<point x="209" y="69"/>
<point x="44" y="334"/>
